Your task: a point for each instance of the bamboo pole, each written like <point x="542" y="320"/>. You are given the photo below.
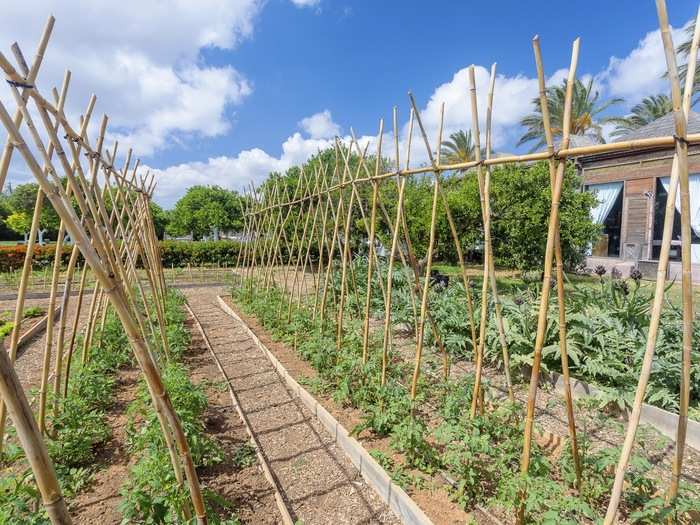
<point x="687" y="276"/>
<point x="489" y="243"/>
<point x="29" y="79"/>
<point x="544" y="299"/>
<point x="371" y="241"/>
<point x="429" y="258"/>
<point x="75" y="327"/>
<point x="19" y="306"/>
<point x="345" y="262"/>
<point x="95" y="304"/>
<point x="323" y="241"/>
<point x="678" y="172"/>
<point x="394" y="244"/>
<point x="334" y="239"/>
<point x="58" y="364"/>
<point x="559" y="269"/>
<point x="307" y="256"/>
<point x="434" y="161"/>
<point x="485" y="213"/>
<point x="32" y="443"/>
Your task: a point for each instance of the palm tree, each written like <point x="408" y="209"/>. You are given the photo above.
<point x="585" y="120"/>
<point x="459" y="148"/>
<point x="683" y="50"/>
<point x="648" y="110"/>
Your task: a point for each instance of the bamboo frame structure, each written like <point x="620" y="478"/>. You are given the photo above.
<point x="112" y="250"/>
<point x="339" y="192"/>
<point x="679" y="172"/>
<point x="284" y="234"/>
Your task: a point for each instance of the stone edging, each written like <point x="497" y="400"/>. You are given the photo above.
<point x="662" y="420"/>
<point x="397" y="499"/>
<point x="36" y="328"/>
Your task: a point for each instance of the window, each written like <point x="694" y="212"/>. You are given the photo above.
<point x="608" y="212"/>
<point x="659" y="212"/>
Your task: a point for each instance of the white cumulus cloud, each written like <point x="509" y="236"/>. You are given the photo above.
<point x="248" y="167"/>
<point x="320" y="125"/>
<point x="641" y="72"/>
<point x="143" y="60"/>
<point x="306" y="3"/>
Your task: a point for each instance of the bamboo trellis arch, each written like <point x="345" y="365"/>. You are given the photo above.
<point x="113" y="242"/>
<point x="267" y="222"/>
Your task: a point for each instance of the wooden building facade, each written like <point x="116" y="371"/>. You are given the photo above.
<point x="632" y="192"/>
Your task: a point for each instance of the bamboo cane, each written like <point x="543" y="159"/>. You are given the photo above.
<point x="559" y="269"/>
<point x="392" y="254"/>
<point x="544" y="299"/>
<point x="323" y="243"/>
<point x="687" y="276"/>
<point x="32" y="443"/>
<point x="345" y="261"/>
<point x="29" y="79"/>
<point x="489" y="243"/>
<point x="371" y="250"/>
<point x="58" y="364"/>
<point x="95" y="305"/>
<point x="429" y="259"/>
<point x="336" y="225"/>
<point x="307" y="256"/>
<point x="19" y="306"/>
<point x="485" y="215"/>
<point x="678" y="171"/>
<point x="75" y="328"/>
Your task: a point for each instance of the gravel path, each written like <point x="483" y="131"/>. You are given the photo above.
<point x="320" y="484"/>
<point x="29" y="358"/>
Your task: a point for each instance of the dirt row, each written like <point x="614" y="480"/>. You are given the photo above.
<point x="245" y="487"/>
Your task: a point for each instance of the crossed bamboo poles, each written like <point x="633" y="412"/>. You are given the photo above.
<point x="112" y="245"/>
<point x="340" y="193"/>
<point x="114" y="240"/>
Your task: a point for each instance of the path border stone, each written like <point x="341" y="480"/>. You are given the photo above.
<point x="663" y="421"/>
<point x="397" y="499"/>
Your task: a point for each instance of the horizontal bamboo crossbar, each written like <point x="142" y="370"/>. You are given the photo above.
<point x="563" y="153"/>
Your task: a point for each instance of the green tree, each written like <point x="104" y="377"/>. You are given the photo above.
<point x="683" y="50"/>
<point x="647" y="111"/>
<point x="520" y="204"/>
<point x="459" y="148"/>
<point x="161" y="218"/>
<point x="204" y="208"/>
<point x="19" y="222"/>
<point x="585" y="118"/>
<point x="22" y="200"/>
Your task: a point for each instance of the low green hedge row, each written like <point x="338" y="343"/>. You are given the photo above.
<point x="175" y="253"/>
<point x="199" y="253"/>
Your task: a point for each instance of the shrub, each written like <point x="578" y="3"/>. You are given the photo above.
<point x="182" y="253"/>
<point x="12" y="257"/>
<point x="175" y="253"/>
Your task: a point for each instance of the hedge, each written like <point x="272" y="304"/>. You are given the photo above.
<point x="12" y="257"/>
<point x="175" y="253"/>
<point x="199" y="253"/>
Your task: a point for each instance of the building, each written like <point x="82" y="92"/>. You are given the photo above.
<point x="632" y="190"/>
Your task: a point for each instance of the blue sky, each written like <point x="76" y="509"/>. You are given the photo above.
<point x="223" y="91"/>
